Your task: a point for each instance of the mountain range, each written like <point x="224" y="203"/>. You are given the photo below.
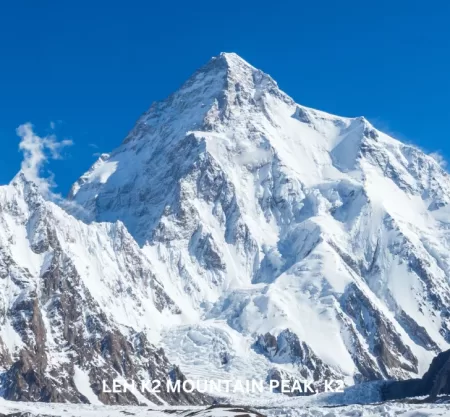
<point x="233" y="234"/>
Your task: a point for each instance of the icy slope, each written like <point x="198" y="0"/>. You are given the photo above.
<point x="317" y="239"/>
<point x="79" y="304"/>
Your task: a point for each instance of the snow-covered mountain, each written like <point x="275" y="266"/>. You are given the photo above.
<point x="245" y="235"/>
<point x="72" y="297"/>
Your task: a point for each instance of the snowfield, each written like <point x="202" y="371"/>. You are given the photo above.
<point x="71" y="410"/>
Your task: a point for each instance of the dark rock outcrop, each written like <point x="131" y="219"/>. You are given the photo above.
<point x="436" y="381"/>
<point x="287" y="348"/>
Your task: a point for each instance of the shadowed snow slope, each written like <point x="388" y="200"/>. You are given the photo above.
<point x="279" y="241"/>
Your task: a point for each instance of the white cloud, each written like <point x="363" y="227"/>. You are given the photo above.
<point x="36" y="152"/>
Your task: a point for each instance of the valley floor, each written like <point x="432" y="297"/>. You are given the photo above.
<point x="77" y="410"/>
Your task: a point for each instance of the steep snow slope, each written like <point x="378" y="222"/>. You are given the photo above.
<point x="79" y="304"/>
<point x="314" y="241"/>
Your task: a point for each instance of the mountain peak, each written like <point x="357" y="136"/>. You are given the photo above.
<point x="233" y="60"/>
<point x="225" y="80"/>
<point x="235" y="71"/>
<point x="21" y="183"/>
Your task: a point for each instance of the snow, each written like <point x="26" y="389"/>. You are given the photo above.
<point x="20" y="248"/>
<point x="77" y="410"/>
<point x="10" y="337"/>
<point x="81" y="380"/>
<point x="102" y="172"/>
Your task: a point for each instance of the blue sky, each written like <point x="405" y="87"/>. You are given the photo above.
<point x="93" y="67"/>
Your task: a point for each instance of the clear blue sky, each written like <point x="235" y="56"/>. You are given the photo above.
<point x="94" y="67"/>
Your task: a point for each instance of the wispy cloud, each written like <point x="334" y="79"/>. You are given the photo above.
<point x="439" y="158"/>
<point x="37" y="151"/>
<point x="96" y="147"/>
<point x="384" y="127"/>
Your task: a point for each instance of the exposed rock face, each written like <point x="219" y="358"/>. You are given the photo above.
<point x="385" y="344"/>
<point x="436" y="381"/>
<point x="287" y="348"/>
